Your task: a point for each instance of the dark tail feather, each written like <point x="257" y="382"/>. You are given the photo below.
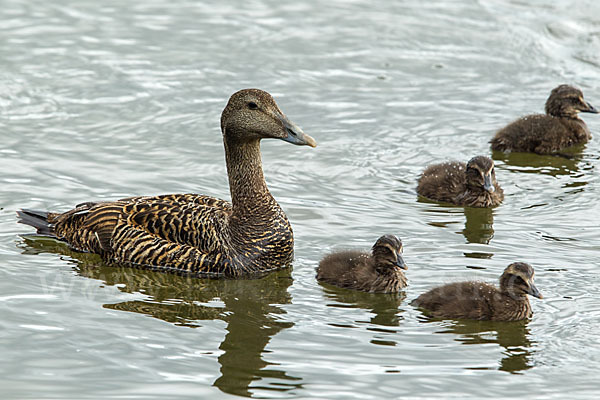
<point x="37" y="219"/>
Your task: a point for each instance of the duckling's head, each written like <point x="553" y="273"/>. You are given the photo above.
<point x="567" y="101"/>
<point x="252" y="114"/>
<point x="481" y="174"/>
<point x="517" y="280"/>
<point x="387" y="252"/>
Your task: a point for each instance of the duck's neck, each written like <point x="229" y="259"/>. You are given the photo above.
<point x="517" y="297"/>
<point x="517" y="307"/>
<point x="246" y="180"/>
<point x="567" y="116"/>
<point x="382" y="269"/>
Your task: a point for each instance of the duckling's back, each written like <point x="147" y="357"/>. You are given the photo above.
<point x="539" y="133"/>
<point x="442" y="182"/>
<point x="340" y="268"/>
<point x="461" y="300"/>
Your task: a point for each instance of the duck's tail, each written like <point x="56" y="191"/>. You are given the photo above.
<point x="38" y="219"/>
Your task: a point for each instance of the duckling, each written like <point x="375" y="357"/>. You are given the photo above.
<point x="378" y="272"/>
<point x="473" y="184"/>
<point x="561" y="127"/>
<point x="194" y="234"/>
<point x="481" y="301"/>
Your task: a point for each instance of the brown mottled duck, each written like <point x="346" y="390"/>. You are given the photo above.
<point x="378" y="272"/>
<point x="548" y="133"/>
<point x="194" y="234"/>
<point x="481" y="301"/>
<point x="473" y="184"/>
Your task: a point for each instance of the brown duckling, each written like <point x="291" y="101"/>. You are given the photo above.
<point x="559" y="128"/>
<point x="195" y="234"/>
<point x="481" y="301"/>
<point x="378" y="272"/>
<point x="473" y="184"/>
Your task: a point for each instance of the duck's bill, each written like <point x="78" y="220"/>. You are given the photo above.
<point x="488" y="185"/>
<point x="533" y="291"/>
<point x="590" y="109"/>
<point x="400" y="262"/>
<point x="295" y="134"/>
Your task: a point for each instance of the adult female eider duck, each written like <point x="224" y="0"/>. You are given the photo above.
<point x="378" y="272"/>
<point x="481" y="301"/>
<point x="473" y="184"/>
<point x="559" y="128"/>
<point x="189" y="233"/>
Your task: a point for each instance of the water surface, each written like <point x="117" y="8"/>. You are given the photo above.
<point x="102" y="100"/>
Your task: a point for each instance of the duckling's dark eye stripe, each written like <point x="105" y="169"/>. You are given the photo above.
<point x="390" y="248"/>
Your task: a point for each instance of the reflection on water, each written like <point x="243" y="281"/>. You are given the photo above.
<point x="479" y="228"/>
<point x="479" y="225"/>
<point x="383" y="306"/>
<point x="250" y="308"/>
<point x="565" y="164"/>
<point x="513" y="336"/>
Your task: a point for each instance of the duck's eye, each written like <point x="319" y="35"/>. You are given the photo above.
<point x="391" y="253"/>
<point x="252" y="105"/>
<point x="520" y="282"/>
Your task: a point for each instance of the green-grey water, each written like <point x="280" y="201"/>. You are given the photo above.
<point x="103" y="100"/>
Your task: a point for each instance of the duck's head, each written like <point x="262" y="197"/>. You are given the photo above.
<point x="387" y="252"/>
<point x="252" y="114"/>
<point x="517" y="280"/>
<point x="567" y="101"/>
<point x="481" y="174"/>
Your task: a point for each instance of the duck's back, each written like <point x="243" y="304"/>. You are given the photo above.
<point x="183" y="233"/>
<point x="442" y="182"/>
<point x="178" y="232"/>
<point x="342" y="268"/>
<point x="540" y="133"/>
<point x="187" y="219"/>
<point x="461" y="300"/>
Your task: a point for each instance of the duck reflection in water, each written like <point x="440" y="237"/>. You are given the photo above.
<point x="512" y="336"/>
<point x="479" y="229"/>
<point x="382" y="306"/>
<point x="251" y="311"/>
<point x="478" y="225"/>
<point x="566" y="163"/>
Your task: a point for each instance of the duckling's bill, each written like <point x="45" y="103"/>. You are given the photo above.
<point x="400" y="262"/>
<point x="488" y="185"/>
<point x="533" y="291"/>
<point x="590" y="109"/>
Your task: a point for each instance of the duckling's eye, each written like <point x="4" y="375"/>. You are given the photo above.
<point x="252" y="105"/>
<point x="520" y="282"/>
<point x="391" y="253"/>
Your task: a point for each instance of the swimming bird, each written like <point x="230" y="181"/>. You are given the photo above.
<point x="481" y="301"/>
<point x="194" y="234"/>
<point x="548" y="133"/>
<point x="473" y="184"/>
<point x="378" y="272"/>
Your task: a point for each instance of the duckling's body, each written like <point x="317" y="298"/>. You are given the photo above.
<point x="189" y="233"/>
<point x="473" y="184"/>
<point x="548" y="133"/>
<point x="378" y="272"/>
<point x="481" y="301"/>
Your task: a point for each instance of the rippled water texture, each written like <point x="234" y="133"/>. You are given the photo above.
<point x="107" y="99"/>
